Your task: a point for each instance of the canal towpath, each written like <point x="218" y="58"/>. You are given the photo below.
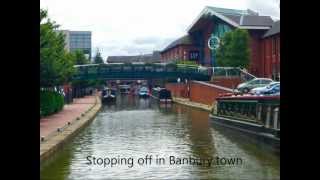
<point x="56" y="130"/>
<point x="70" y="112"/>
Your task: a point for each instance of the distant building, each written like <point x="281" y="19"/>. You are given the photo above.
<point x="78" y="40"/>
<point x="146" y="58"/>
<point x="213" y="22"/>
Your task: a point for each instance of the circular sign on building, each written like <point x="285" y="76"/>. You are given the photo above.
<point x="213" y="42"/>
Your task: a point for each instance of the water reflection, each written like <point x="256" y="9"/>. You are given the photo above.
<point x="58" y="166"/>
<point x="134" y="127"/>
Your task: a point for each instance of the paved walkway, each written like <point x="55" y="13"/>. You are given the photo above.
<point x="69" y="113"/>
<point x="187" y="102"/>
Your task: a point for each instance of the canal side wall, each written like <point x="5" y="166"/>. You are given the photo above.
<point x="229" y="82"/>
<point x="206" y="93"/>
<point x="177" y="89"/>
<point x="199" y="92"/>
<point x="51" y="146"/>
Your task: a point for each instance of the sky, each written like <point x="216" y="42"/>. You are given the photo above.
<point x="134" y="27"/>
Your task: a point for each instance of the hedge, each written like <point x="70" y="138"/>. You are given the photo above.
<point x="50" y="102"/>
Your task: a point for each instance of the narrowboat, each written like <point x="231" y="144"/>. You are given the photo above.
<point x="255" y="117"/>
<point x="162" y="94"/>
<point x="143" y="92"/>
<point x="124" y="89"/>
<point x="108" y="95"/>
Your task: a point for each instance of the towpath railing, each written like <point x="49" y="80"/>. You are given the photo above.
<point x="233" y="72"/>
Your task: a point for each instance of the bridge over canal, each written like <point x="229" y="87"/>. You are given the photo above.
<point x="150" y="71"/>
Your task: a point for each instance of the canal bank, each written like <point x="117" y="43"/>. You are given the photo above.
<point x="73" y="121"/>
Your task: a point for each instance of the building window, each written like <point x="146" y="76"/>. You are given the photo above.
<point x="194" y="55"/>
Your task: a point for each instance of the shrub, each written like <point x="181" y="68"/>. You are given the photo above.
<point x="186" y="62"/>
<point x="50" y="102"/>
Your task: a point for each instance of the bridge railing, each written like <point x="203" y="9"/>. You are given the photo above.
<point x="136" y="68"/>
<point x="183" y="69"/>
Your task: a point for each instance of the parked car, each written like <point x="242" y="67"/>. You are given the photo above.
<point x="254" y="83"/>
<point x="272" y="88"/>
<point x="274" y="91"/>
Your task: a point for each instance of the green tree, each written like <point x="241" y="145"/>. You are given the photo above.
<point x="234" y="49"/>
<point x="97" y="58"/>
<point x="80" y="58"/>
<point x="56" y="65"/>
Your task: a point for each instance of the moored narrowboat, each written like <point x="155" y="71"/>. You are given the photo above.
<point x="124" y="89"/>
<point x="257" y="117"/>
<point x="108" y="95"/>
<point x="143" y="92"/>
<point x="161" y="94"/>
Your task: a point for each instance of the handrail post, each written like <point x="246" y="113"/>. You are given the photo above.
<point x="259" y="111"/>
<point x="268" y="116"/>
<point x="275" y="118"/>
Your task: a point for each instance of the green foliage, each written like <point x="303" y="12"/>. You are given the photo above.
<point x="187" y="62"/>
<point x="97" y="58"/>
<point x="56" y="65"/>
<point x="234" y="49"/>
<point x="50" y="102"/>
<point x="80" y="58"/>
<point x="96" y="83"/>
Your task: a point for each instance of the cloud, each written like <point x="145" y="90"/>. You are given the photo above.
<point x="146" y="40"/>
<point x="269" y="7"/>
<point x="126" y="27"/>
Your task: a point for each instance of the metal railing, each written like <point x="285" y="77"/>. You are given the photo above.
<point x="262" y="112"/>
<point x="246" y="76"/>
<point x="233" y="72"/>
<point x="162" y="69"/>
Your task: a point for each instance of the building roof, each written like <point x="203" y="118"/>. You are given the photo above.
<point x="226" y="11"/>
<point x="275" y="29"/>
<point x="249" y="20"/>
<point x="147" y="58"/>
<point x="184" y="40"/>
<point x="244" y="19"/>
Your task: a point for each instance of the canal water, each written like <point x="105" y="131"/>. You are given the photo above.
<point x="124" y="136"/>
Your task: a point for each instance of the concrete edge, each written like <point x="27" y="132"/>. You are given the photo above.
<point x="193" y="104"/>
<point x="57" y="142"/>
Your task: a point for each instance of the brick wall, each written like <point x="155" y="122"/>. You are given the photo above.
<point x="229" y="82"/>
<point x="271" y="60"/>
<point x="178" y="53"/>
<point x="205" y="93"/>
<point x="177" y="89"/>
<point x="200" y="92"/>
